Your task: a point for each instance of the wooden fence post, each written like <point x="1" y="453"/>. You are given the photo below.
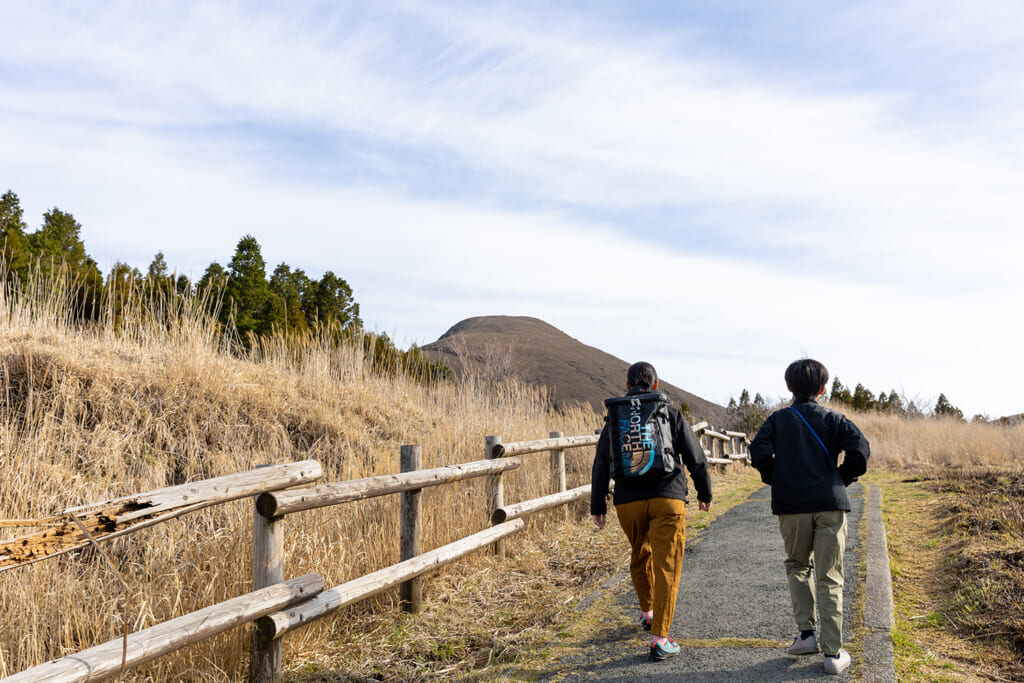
<point x="558" y="470"/>
<point x="557" y="465"/>
<point x="267" y="569"/>
<point x="495" y="493"/>
<point x="411" y="591"/>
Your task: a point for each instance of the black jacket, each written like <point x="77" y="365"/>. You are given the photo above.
<point x="687" y="448"/>
<point x="803" y="477"/>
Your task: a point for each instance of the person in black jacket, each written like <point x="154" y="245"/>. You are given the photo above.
<point x="652" y="513"/>
<point x="796" y="451"/>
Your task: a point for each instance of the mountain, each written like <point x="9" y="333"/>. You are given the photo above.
<point x="537" y="353"/>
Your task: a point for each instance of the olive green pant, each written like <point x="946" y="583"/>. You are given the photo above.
<point x="814" y="544"/>
<point x="656" y="529"/>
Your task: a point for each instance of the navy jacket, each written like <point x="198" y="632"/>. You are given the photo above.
<point x="687" y="448"/>
<point x="803" y="476"/>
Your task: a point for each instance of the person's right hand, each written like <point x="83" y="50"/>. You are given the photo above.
<point x="599" y="521"/>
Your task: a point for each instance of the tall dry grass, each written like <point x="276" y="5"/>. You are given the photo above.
<point x="153" y="395"/>
<point x="901" y="442"/>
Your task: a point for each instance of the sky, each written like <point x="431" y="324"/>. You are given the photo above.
<point x="718" y="188"/>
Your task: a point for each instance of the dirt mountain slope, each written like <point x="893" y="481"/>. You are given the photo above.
<point x="538" y="353"/>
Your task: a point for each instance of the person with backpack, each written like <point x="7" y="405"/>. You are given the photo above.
<point x="644" y="442"/>
<point x="796" y="451"/>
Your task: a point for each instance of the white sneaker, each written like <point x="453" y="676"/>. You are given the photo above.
<point x="837" y="665"/>
<point x="804" y="646"/>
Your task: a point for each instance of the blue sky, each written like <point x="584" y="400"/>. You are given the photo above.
<point x="718" y="188"/>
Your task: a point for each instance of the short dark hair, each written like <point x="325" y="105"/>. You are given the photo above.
<point x="641" y="375"/>
<point x="806" y="378"/>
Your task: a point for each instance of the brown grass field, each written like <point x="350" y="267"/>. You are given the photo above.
<point x="156" y="397"/>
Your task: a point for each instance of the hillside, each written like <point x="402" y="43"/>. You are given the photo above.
<point x="540" y="354"/>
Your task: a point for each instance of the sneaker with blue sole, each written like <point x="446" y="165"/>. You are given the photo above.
<point x="660" y="651"/>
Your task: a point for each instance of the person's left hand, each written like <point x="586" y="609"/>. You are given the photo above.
<point x="705" y="507"/>
<point x="599" y="521"/>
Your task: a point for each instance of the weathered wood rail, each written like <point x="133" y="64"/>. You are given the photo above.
<point x="275" y="605"/>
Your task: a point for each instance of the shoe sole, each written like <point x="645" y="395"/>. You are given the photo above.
<point x="662" y="656"/>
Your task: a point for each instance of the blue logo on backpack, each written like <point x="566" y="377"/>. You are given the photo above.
<point x="641" y="436"/>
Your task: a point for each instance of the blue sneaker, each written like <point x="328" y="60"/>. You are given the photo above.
<point x="660" y="651"/>
<point x="645" y="623"/>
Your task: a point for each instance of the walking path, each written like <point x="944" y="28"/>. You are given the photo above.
<point x="733" y="616"/>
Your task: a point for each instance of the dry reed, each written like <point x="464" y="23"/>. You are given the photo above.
<point x="153" y="395"/>
<point x="901" y="442"/>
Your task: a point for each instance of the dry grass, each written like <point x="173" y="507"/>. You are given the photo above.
<point x="955" y="544"/>
<point x="984" y="526"/>
<point x="903" y="443"/>
<point x="92" y="413"/>
<point x="953" y="498"/>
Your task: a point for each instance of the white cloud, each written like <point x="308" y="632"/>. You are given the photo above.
<point x="130" y="118"/>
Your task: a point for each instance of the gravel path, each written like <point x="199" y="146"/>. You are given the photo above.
<point x="733" y="612"/>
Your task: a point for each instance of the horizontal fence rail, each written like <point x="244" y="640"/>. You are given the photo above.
<point x="537" y="504"/>
<point x="335" y="493"/>
<point x="539" y="445"/>
<point x="329" y="601"/>
<point x="115" y="518"/>
<point x="276" y="606"/>
<point x="104" y="661"/>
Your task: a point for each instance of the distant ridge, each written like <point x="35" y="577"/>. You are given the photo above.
<point x="539" y="353"/>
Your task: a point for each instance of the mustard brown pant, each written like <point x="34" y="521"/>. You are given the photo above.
<point x="814" y="568"/>
<point x="656" y="529"/>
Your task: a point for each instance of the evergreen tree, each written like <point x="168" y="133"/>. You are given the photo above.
<point x="121" y="289"/>
<point x="159" y="281"/>
<point x="331" y="302"/>
<point x="212" y="283"/>
<point x="895" y="403"/>
<point x="58" y="243"/>
<point x="943" y="408"/>
<point x="840" y="394"/>
<point x="862" y="398"/>
<point x="747" y="416"/>
<point x="882" y="402"/>
<point x="247" y="296"/>
<point x="183" y="286"/>
<point x="14" y="245"/>
<point x="292" y="287"/>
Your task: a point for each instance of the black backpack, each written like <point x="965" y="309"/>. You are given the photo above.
<point x="639" y="437"/>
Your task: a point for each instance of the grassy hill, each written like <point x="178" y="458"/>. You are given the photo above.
<point x="537" y="353"/>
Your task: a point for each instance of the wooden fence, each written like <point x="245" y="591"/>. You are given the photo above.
<point x="275" y="605"/>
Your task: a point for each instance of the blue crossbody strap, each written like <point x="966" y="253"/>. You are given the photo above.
<point x="816" y="437"/>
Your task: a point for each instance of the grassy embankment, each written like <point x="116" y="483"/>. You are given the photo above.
<point x="89" y="414"/>
<point x="155" y="398"/>
<point x="953" y="505"/>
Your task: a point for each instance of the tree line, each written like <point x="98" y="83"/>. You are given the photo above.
<point x="747" y="414"/>
<point x="245" y="301"/>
